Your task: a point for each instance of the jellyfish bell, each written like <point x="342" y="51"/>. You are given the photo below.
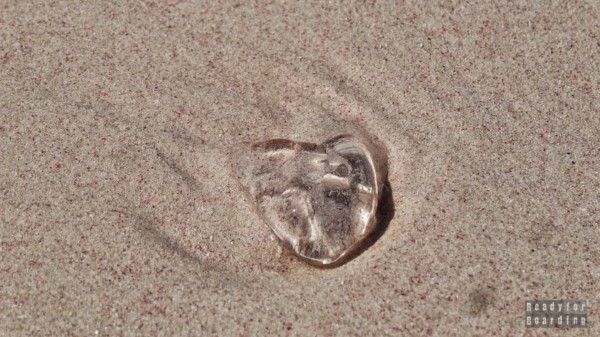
<point x="320" y="200"/>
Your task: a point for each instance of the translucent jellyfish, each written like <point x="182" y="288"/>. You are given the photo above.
<point x="320" y="200"/>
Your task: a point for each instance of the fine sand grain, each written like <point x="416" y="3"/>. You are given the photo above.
<point x="119" y="214"/>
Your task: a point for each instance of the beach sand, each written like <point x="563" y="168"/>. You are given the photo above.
<point x="120" y="214"/>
